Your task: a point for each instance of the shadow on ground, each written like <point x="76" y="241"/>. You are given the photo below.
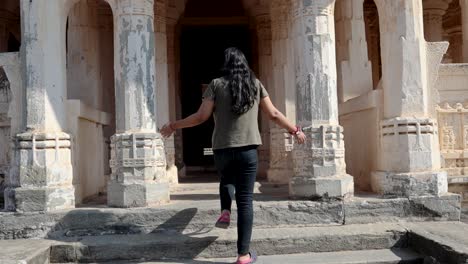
<point x="161" y="243"/>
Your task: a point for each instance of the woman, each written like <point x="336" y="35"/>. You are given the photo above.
<point x="234" y="99"/>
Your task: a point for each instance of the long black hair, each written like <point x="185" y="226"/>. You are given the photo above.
<point x="241" y="80"/>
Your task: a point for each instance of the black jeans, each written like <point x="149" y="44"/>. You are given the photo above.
<point x="237" y="168"/>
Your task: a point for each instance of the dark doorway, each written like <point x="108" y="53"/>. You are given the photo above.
<point x="202" y="56"/>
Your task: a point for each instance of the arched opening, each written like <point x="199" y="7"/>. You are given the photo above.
<point x="207" y="28"/>
<point x="371" y="19"/>
<point x="91" y="95"/>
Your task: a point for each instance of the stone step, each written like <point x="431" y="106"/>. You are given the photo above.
<point x="218" y="243"/>
<point x="383" y="256"/>
<point x="201" y="212"/>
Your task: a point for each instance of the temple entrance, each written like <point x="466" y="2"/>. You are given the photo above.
<point x="206" y="29"/>
<point x="202" y="56"/>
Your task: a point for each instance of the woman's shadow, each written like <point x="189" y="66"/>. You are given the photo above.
<point x="173" y="244"/>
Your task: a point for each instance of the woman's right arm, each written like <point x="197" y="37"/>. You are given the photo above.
<point x="276" y="116"/>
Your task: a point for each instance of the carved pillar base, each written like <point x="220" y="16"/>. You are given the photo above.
<point x="410" y="159"/>
<point x="410" y="184"/>
<point x="138" y="171"/>
<point x="280" y="167"/>
<point x="319" y="165"/>
<point x="41" y="176"/>
<point x="172" y="174"/>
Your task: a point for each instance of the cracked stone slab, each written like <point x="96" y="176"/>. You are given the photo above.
<point x="445" y="241"/>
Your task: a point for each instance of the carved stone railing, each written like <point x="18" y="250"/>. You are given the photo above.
<point x="453" y="137"/>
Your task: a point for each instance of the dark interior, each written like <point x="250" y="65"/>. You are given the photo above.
<point x="202" y="55"/>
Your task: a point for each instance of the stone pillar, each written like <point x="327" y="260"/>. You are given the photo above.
<point x="356" y="71"/>
<point x="373" y="42"/>
<point x="262" y="22"/>
<point x="434" y="11"/>
<point x="137" y="156"/>
<point x="174" y="10"/>
<point x="280" y="165"/>
<point x="319" y="165"/>
<point x="175" y="111"/>
<point x="162" y="83"/>
<point x="464" y="12"/>
<point x="41" y="174"/>
<point x="409" y="159"/>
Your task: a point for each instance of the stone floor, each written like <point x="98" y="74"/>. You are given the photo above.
<point x="464" y="215"/>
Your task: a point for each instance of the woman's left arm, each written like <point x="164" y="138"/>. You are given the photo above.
<point x="203" y="113"/>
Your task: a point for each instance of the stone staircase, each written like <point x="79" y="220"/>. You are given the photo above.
<point x="359" y="230"/>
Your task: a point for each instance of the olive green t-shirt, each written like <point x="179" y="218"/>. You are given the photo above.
<point x="233" y="130"/>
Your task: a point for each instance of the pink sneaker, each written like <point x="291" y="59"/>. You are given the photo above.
<point x="224" y="220"/>
<point x="253" y="259"/>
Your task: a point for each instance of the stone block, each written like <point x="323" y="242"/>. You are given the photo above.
<point x="409" y="144"/>
<point x="339" y="186"/>
<point x="410" y="184"/>
<point x="137" y="194"/>
<point x="41" y="174"/>
<point x="43" y="198"/>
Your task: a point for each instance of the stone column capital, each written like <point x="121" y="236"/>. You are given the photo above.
<point x="436" y="5"/>
<point x="135" y="7"/>
<point x="280" y="16"/>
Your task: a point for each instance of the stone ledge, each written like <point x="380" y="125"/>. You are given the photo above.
<point x="446" y="242"/>
<point x="189" y="216"/>
<point x="443" y="241"/>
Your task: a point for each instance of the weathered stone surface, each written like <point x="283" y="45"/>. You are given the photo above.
<point x="410" y="184"/>
<point x="360" y="210"/>
<point x="382" y="256"/>
<point x="25" y="251"/>
<point x="138" y="163"/>
<point x="218" y="243"/>
<point x="192" y="216"/>
<point x="446" y="242"/>
<point x="339" y="186"/>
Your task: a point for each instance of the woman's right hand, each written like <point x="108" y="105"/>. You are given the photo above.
<point x="300" y="137"/>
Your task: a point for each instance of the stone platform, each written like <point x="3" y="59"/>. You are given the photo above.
<point x="445" y="242"/>
<point x="196" y="207"/>
<point x="183" y="230"/>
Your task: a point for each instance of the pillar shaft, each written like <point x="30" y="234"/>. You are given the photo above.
<point x="434" y="11"/>
<point x="464" y="12"/>
<point x="263" y="32"/>
<point x="319" y="166"/>
<point x="409" y="161"/>
<point x="356" y="69"/>
<point x="280" y="164"/>
<point x="41" y="175"/>
<point x="137" y="158"/>
<point x="403" y="58"/>
<point x="163" y="93"/>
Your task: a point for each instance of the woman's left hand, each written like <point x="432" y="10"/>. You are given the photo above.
<point x="166" y="130"/>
